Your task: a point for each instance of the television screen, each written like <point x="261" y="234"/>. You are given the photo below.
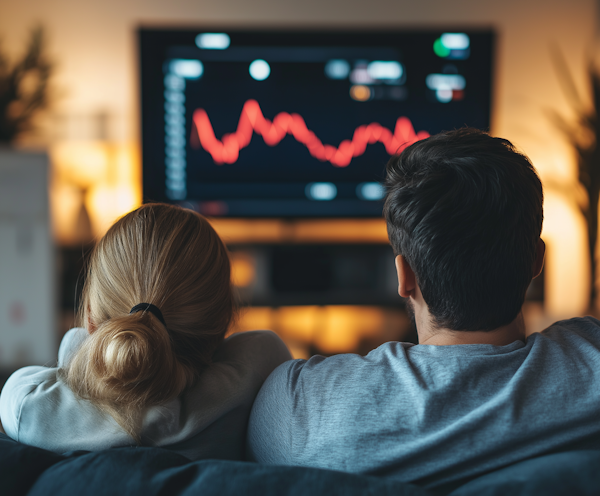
<point x="293" y="123"/>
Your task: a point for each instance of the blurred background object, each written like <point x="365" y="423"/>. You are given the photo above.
<point x="27" y="269"/>
<point x="94" y="182"/>
<point x="24" y="87"/>
<point x="583" y="133"/>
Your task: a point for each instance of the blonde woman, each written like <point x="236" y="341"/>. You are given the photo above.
<point x="149" y="365"/>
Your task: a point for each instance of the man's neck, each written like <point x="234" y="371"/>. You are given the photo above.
<point x="515" y="331"/>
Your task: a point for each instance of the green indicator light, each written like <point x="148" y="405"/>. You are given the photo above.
<point x="439" y="49"/>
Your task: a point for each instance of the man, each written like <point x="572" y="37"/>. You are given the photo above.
<point x="464" y="216"/>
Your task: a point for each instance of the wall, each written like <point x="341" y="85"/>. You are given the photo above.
<point x="94" y="44"/>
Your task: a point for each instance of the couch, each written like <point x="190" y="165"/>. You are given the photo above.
<point x="25" y="470"/>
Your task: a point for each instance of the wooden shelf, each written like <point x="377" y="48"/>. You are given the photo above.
<point x="273" y="231"/>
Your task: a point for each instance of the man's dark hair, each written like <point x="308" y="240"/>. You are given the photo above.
<point x="464" y="209"/>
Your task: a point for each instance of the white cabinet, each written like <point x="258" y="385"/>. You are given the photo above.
<point x="27" y="273"/>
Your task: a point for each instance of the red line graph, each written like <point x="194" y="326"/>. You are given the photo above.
<point x="227" y="150"/>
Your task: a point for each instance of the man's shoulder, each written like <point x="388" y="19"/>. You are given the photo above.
<point x="588" y="322"/>
<point x="302" y="393"/>
<point x="570" y="334"/>
<point x="572" y="329"/>
<point x="320" y="370"/>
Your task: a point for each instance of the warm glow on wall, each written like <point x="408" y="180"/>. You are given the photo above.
<point x="343" y="327"/>
<point x="93" y="184"/>
<point x="567" y="277"/>
<point x="243" y="271"/>
<point x="65" y="207"/>
<point x="300" y="323"/>
<point x="106" y="203"/>
<point x="82" y="163"/>
<point x="234" y="231"/>
<point x="567" y="266"/>
<point x="327" y="329"/>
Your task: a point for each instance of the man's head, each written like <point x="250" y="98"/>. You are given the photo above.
<point x="465" y="212"/>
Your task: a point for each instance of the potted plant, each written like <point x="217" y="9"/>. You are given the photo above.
<point x="24" y="88"/>
<point x="584" y="136"/>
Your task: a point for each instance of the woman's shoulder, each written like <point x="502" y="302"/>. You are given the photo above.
<point x="70" y="343"/>
<point x="258" y="350"/>
<point x="20" y="385"/>
<point x="239" y="367"/>
<point x="210" y="419"/>
<point x="253" y="339"/>
<point x="38" y="408"/>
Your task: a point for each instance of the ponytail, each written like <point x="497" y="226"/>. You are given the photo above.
<point x="126" y="364"/>
<point x="173" y="259"/>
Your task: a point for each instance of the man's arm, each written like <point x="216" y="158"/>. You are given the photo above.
<point x="271" y="421"/>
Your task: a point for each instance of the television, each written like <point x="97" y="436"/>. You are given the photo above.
<point x="299" y="123"/>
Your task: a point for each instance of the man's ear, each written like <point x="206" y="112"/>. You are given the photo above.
<point x="407" y="281"/>
<point x="539" y="258"/>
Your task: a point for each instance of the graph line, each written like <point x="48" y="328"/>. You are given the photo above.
<point x="227" y="150"/>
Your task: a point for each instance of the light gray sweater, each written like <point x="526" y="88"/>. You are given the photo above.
<point x="207" y="421"/>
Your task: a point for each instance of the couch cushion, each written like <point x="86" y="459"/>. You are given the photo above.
<point x="153" y="471"/>
<point x="21" y="465"/>
<point x="572" y="472"/>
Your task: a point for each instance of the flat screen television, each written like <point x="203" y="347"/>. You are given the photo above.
<point x="299" y="123"/>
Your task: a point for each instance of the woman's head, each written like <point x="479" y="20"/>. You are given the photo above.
<point x="173" y="259"/>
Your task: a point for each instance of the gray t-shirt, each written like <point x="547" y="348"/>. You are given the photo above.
<point x="434" y="414"/>
<point x="207" y="421"/>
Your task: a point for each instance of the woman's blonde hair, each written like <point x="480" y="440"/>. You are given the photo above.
<point x="169" y="257"/>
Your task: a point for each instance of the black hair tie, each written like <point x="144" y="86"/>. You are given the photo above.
<point x="149" y="307"/>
